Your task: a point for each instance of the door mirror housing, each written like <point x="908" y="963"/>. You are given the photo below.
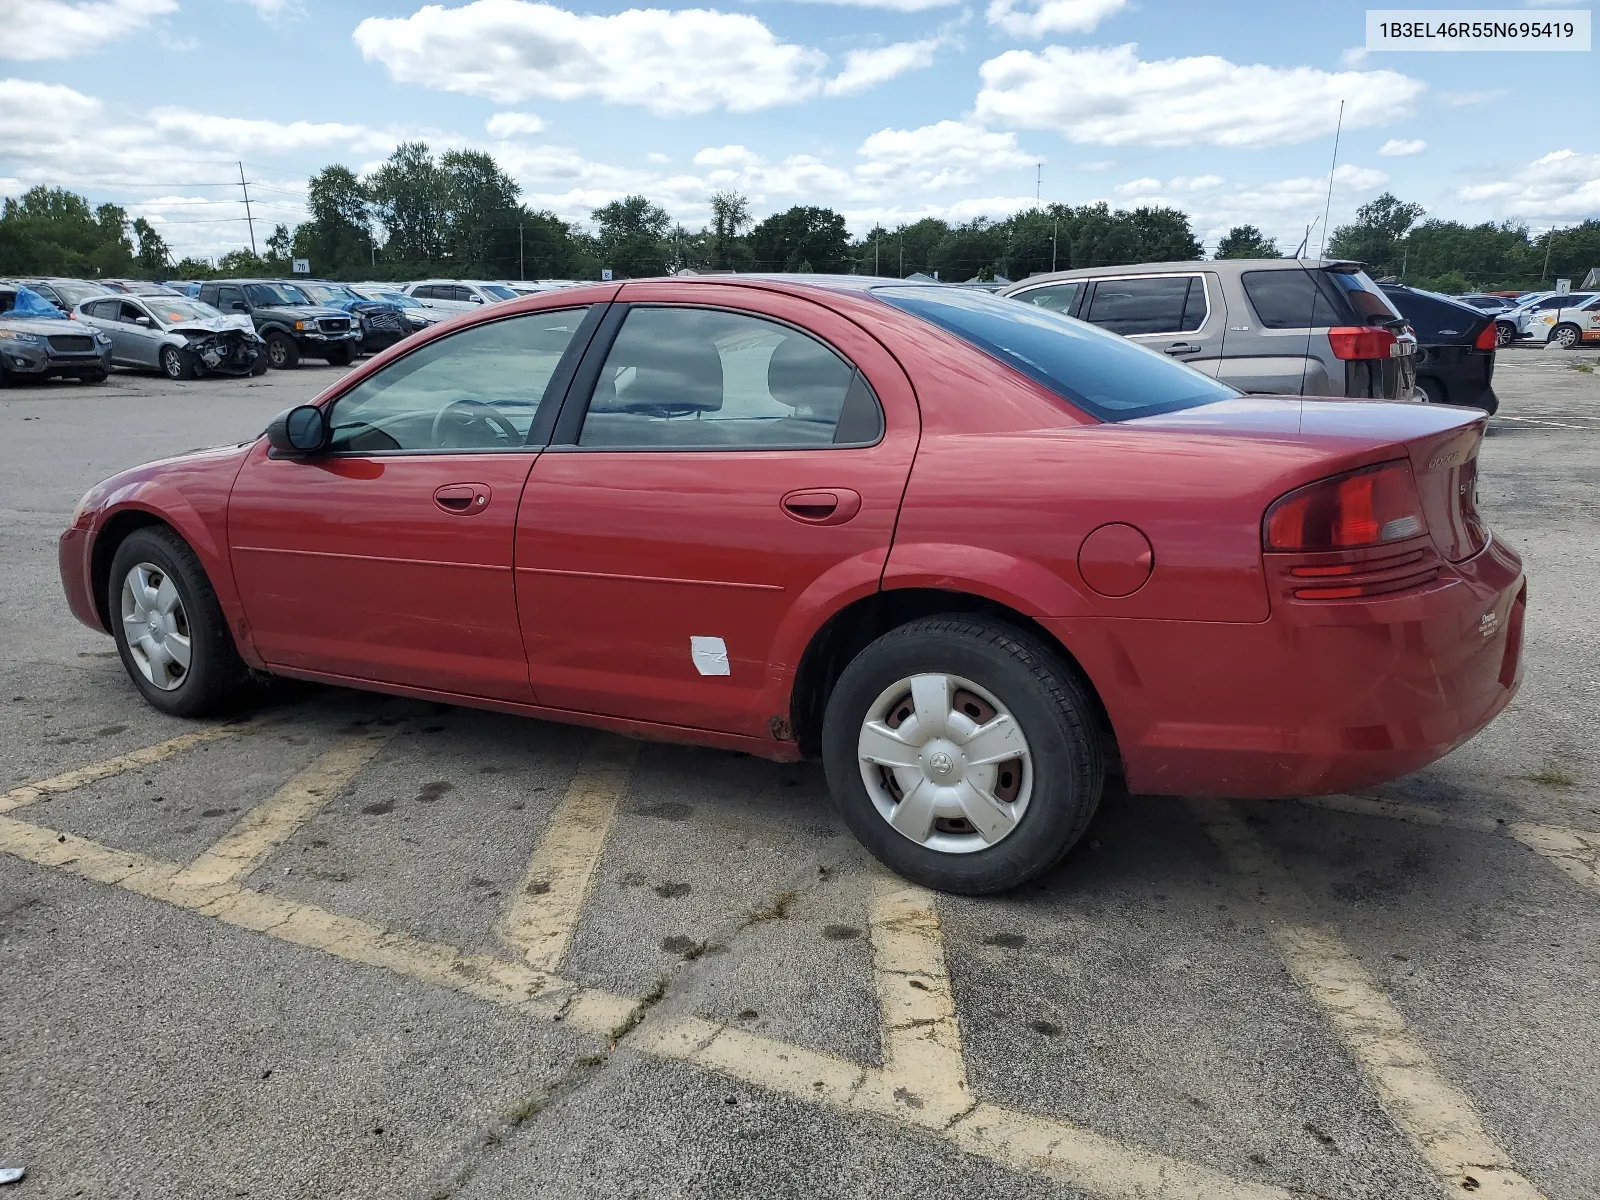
<point x="476" y="299"/>
<point x="298" y="431"/>
<point x="239" y="306"/>
<point x="143" y="322"/>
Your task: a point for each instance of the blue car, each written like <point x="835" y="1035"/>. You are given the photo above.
<point x="382" y="323"/>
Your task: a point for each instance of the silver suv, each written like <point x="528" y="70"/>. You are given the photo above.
<point x="1271" y="325"/>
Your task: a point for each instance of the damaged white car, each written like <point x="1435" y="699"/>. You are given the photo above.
<point x="175" y="335"/>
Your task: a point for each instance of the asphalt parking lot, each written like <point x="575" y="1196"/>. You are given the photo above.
<point x="360" y="947"/>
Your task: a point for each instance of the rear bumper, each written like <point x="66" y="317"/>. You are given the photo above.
<point x="1321" y="697"/>
<point x="72" y="553"/>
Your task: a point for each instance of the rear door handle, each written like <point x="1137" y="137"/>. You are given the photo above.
<point x="822" y="506"/>
<point x="1183" y="348"/>
<point x="463" y="499"/>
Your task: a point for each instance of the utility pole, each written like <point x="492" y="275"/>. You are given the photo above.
<point x="250" y="220"/>
<point x="521" y="274"/>
<point x="1038" y="182"/>
<point x="1549" y="240"/>
<point x="1053" y="236"/>
<point x="903" y="256"/>
<point x="877" y="247"/>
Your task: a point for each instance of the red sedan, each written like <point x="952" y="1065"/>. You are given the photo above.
<point x="971" y="554"/>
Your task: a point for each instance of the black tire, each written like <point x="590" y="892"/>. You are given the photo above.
<point x="259" y="367"/>
<point x="176" y="363"/>
<point x="1433" y="389"/>
<point x="1568" y="337"/>
<point x="95" y="376"/>
<point x="282" y="353"/>
<point x="1489" y="402"/>
<point x="217" y="679"/>
<point x="342" y="356"/>
<point x="1043" y="694"/>
<point x="1503" y="334"/>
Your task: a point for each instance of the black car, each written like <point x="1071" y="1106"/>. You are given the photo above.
<point x="1455" y="347"/>
<point x="382" y="324"/>
<point x="287" y="320"/>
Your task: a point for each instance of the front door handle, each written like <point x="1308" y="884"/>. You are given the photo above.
<point x="1183" y="348"/>
<point x="463" y="499"/>
<point x="822" y="506"/>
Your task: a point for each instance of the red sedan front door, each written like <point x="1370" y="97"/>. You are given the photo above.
<point x="388" y="558"/>
<point x="737" y="466"/>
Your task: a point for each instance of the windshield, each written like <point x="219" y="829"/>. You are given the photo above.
<point x="498" y="292"/>
<point x="76" y="293"/>
<point x="1102" y="373"/>
<point x="328" y="291"/>
<point x="265" y="295"/>
<point x="170" y="310"/>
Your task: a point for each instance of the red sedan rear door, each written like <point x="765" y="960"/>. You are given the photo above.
<point x="727" y="469"/>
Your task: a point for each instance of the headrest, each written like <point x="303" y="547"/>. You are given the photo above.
<point x="808" y="377"/>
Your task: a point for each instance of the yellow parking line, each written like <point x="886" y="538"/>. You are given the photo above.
<point x="1575" y="851"/>
<point x="269" y="824"/>
<point x="910" y="949"/>
<point x="923" y="1068"/>
<point x="132" y="761"/>
<point x="1439" y="1119"/>
<point x="543" y="914"/>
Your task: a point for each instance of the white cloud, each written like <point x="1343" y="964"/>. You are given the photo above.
<point x="1179" y="183"/>
<point x="1035" y="18"/>
<point x="674" y="63"/>
<point x="41" y="29"/>
<point x="1563" y="185"/>
<point x="276" y="10"/>
<point x="1138" y="187"/>
<point x="941" y="155"/>
<point x="655" y="156"/>
<point x="725" y="157"/>
<point x="511" y="124"/>
<point x="1195" y="183"/>
<point x="1354" y="56"/>
<point x="865" y="69"/>
<point x="1108" y="96"/>
<point x="1462" y="99"/>
<point x="1401" y="147"/>
<point x="1282" y="208"/>
<point x="262" y="137"/>
<point x="892" y="5"/>
<point x="1100" y="164"/>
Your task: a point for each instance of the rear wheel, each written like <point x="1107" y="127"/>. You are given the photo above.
<point x="176" y="363"/>
<point x="170" y="631"/>
<point x="282" y="353"/>
<point x="1567" y="336"/>
<point x="963" y="753"/>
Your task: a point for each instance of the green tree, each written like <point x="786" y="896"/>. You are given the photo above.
<point x="410" y="198"/>
<point x="52" y="231"/>
<point x="803" y="238"/>
<point x="481" y="213"/>
<point x="280" y="248"/>
<point x="971" y="250"/>
<point x="338" y="238"/>
<point x="240" y="262"/>
<point x="632" y="237"/>
<point x="153" y="252"/>
<point x="1246" y="241"/>
<point x="730" y="217"/>
<point x="1374" y="237"/>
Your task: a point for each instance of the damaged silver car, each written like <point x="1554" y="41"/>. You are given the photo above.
<point x="175" y="335"/>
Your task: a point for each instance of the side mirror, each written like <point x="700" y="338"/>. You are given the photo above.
<point x="143" y="322"/>
<point x="477" y="299"/>
<point x="298" y="431"/>
<point x="238" y="306"/>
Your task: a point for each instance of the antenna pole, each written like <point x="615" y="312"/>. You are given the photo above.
<point x="1337" y="129"/>
<point x="250" y="220"/>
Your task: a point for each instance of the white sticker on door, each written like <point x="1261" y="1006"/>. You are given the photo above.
<point x="710" y="655"/>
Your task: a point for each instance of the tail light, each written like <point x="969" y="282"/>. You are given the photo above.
<point x="1362" y="341"/>
<point x="1369" y="507"/>
<point x="1487" y="339"/>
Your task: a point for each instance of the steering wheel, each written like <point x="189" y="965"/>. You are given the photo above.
<point x="460" y="417"/>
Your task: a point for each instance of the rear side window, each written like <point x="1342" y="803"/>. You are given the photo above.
<point x="1057" y="297"/>
<point x="1100" y="372"/>
<point x="703" y="379"/>
<point x="1159" y="304"/>
<point x="1289" y="298"/>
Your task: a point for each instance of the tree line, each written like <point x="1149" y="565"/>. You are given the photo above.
<point x="459" y="214"/>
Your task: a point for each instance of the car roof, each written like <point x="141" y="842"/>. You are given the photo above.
<point x="1220" y="265"/>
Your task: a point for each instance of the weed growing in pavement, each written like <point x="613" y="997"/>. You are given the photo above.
<point x="776" y="911"/>
<point x="1586" y="368"/>
<point x="1552" y="777"/>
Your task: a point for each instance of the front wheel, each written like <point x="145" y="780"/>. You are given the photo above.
<point x="1567" y="336"/>
<point x="963" y="753"/>
<point x="282" y="353"/>
<point x="1503" y="333"/>
<point x="176" y="363"/>
<point x="170" y="631"/>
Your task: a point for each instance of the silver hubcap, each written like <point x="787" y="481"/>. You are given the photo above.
<point x="170" y="360"/>
<point x="1567" y="339"/>
<point x="156" y="625"/>
<point x="945" y="764"/>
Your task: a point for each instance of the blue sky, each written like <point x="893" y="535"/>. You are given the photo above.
<point x="887" y="110"/>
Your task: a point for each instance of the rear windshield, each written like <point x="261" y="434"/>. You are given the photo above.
<point x="1102" y="373"/>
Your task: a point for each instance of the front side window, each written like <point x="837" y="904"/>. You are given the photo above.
<point x="474" y="390"/>
<point x="701" y="379"/>
<point x="1057" y="297"/>
<point x="131" y="314"/>
<point x="1156" y="304"/>
<point x="1100" y="372"/>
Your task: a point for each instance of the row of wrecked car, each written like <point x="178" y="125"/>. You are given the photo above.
<point x="219" y="327"/>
